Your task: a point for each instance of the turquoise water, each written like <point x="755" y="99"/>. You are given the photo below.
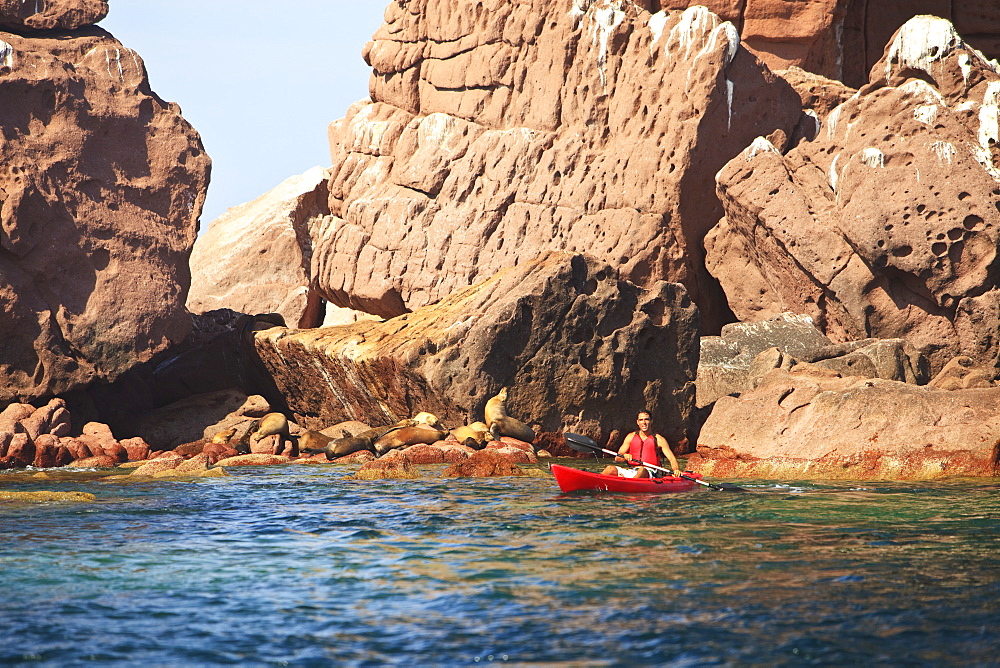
<point x="297" y="566"/>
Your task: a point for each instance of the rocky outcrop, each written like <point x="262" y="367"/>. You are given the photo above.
<point x="52" y="14"/>
<point x="725" y="360"/>
<point x="842" y="39"/>
<point x="962" y="373"/>
<point x="255" y="257"/>
<point x="574" y="344"/>
<point x="804" y="425"/>
<point x="734" y="362"/>
<point x="41" y="437"/>
<point x="180" y="392"/>
<point x="886" y="225"/>
<point x="500" y="130"/>
<point x="102" y="186"/>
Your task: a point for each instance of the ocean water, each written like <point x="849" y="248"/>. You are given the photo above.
<point x="298" y="566"/>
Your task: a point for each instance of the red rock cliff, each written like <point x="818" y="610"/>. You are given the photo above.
<point x="499" y="130"/>
<point x="101" y="187"/>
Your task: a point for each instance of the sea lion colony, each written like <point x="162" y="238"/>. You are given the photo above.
<point x="423" y="427"/>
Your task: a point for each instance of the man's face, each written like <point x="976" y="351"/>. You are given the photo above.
<point x="643" y="421"/>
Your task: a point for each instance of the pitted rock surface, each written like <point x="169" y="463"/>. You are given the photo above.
<point x="255" y="257"/>
<point x="886" y="225"/>
<point x="842" y="39"/>
<point x="52" y="14"/>
<point x="102" y="186"/>
<point x="572" y="342"/>
<point x="499" y="130"/>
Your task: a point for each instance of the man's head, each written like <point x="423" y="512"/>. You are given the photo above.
<point x="643" y="420"/>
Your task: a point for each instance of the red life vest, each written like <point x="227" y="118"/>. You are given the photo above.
<point x="644" y="450"/>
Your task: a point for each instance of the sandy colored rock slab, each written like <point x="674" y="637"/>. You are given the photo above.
<point x="103" y="185"/>
<point x="253" y="459"/>
<point x="571" y="341"/>
<point x="387" y="468"/>
<point x="801" y="425"/>
<point x="255" y="257"/>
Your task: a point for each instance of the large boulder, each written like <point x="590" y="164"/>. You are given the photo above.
<point x="52" y="14"/>
<point x="886" y="225"/>
<point x="808" y="425"/>
<point x="577" y="347"/>
<point x="500" y="130"/>
<point x="255" y="257"/>
<point x="102" y="186"/>
<point x="734" y="362"/>
<point x="725" y="360"/>
<point x="842" y="39"/>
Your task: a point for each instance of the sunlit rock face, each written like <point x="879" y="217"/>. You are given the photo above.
<point x="52" y="14"/>
<point x="842" y="39"/>
<point x="575" y="346"/>
<point x="255" y="257"/>
<point x="102" y="185"/>
<point x="797" y="425"/>
<point x="886" y="225"/>
<point x="501" y="129"/>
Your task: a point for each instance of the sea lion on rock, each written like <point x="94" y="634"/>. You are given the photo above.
<point x="496" y="407"/>
<point x="499" y="423"/>
<point x="472" y="437"/>
<point x="276" y="424"/>
<point x="243" y="444"/>
<point x="313" y="441"/>
<point x="508" y="426"/>
<point x="222" y="437"/>
<point x="400" y="438"/>
<point x="427" y="418"/>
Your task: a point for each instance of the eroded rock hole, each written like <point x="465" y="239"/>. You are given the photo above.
<point x="973" y="222"/>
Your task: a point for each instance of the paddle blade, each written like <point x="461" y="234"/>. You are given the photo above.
<point x="728" y="487"/>
<point x="581" y="443"/>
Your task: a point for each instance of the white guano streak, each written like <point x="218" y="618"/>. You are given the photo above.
<point x="922" y="89"/>
<point x="926" y="113"/>
<point x="6" y="55"/>
<point x="697" y="23"/>
<point x="832" y="176"/>
<point x="758" y="146"/>
<point x="944" y="150"/>
<point x="989" y="117"/>
<point x="606" y="19"/>
<point x="922" y="42"/>
<point x="873" y="158"/>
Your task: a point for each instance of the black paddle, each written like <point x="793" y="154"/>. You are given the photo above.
<point x="582" y="443"/>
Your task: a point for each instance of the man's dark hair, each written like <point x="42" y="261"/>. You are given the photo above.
<point x="644" y="411"/>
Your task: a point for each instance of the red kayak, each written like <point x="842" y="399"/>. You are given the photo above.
<point x="571" y="479"/>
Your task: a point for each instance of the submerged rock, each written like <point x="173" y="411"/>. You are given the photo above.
<point x="484" y="464"/>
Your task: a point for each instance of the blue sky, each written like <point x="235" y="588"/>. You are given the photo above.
<point x="260" y="81"/>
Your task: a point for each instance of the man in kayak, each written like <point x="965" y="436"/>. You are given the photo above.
<point x="642" y="446"/>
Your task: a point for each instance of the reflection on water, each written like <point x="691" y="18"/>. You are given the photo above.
<point x="297" y="565"/>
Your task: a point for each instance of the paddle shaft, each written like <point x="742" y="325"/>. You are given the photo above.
<point x="597" y="448"/>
